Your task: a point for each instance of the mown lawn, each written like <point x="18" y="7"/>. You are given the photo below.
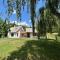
<point x="29" y="49"/>
<point x="9" y="45"/>
<point x="37" y="50"/>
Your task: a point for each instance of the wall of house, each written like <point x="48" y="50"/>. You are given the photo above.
<point x="19" y="34"/>
<point x="9" y="35"/>
<point x="31" y="35"/>
<point x="16" y="35"/>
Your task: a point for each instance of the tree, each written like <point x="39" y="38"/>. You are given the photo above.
<point x="4" y="27"/>
<point x="19" y="4"/>
<point x="1" y="24"/>
<point x="31" y="5"/>
<point x="54" y="6"/>
<point x="47" y="22"/>
<point x="41" y="24"/>
<point x="42" y="21"/>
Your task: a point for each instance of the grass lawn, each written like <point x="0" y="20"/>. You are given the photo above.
<point x="28" y="49"/>
<point x="9" y="45"/>
<point x="37" y="50"/>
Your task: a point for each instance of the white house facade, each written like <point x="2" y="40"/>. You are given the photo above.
<point x="19" y="32"/>
<point x="15" y="32"/>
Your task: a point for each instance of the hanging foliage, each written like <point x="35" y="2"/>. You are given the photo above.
<point x="53" y="5"/>
<point x="19" y="4"/>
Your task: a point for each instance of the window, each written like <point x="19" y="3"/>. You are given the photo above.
<point x="17" y="34"/>
<point x="28" y="34"/>
<point x="12" y="34"/>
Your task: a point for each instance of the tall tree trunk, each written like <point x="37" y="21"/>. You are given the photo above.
<point x="33" y="27"/>
<point x="33" y="3"/>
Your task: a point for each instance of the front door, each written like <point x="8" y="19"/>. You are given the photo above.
<point x="28" y="34"/>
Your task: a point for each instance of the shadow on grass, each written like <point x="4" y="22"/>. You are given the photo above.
<point x="37" y="50"/>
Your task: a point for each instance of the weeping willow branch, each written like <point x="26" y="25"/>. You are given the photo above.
<point x="19" y="4"/>
<point x="53" y="5"/>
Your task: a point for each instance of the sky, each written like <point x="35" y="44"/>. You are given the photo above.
<point x="25" y="16"/>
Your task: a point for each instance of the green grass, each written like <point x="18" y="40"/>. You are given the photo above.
<point x="9" y="45"/>
<point x="37" y="50"/>
<point x="29" y="49"/>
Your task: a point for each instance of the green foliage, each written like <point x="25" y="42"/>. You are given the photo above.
<point x="53" y="5"/>
<point x="1" y="24"/>
<point x="49" y="20"/>
<point x="19" y="4"/>
<point x="4" y="27"/>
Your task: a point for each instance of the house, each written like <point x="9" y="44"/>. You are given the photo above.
<point x="28" y="32"/>
<point x="15" y="32"/>
<point x="19" y="32"/>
